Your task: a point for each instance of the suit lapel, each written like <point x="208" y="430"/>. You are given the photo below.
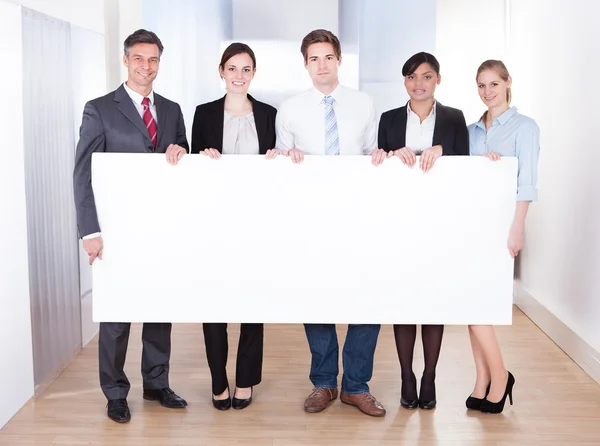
<point x="400" y="126"/>
<point x="162" y="113"/>
<point x="220" y="121"/>
<point x="440" y="120"/>
<point x="125" y="106"/>
<point x="260" y="120"/>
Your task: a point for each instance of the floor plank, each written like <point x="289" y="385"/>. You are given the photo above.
<point x="556" y="403"/>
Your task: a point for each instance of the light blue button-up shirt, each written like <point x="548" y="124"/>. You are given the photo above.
<point x="511" y="134"/>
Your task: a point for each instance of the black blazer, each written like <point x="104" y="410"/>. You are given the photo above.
<point x="450" y="130"/>
<point x="207" y="129"/>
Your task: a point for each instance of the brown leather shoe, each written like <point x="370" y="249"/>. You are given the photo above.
<point x="365" y="402"/>
<point x="319" y="399"/>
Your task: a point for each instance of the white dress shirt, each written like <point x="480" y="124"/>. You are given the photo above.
<point x="137" y="102"/>
<point x="300" y="122"/>
<point x="239" y="135"/>
<point x="419" y="135"/>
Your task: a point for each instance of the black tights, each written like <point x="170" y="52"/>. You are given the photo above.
<point x="406" y="336"/>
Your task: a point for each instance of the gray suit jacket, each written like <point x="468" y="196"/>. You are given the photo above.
<point x="111" y="123"/>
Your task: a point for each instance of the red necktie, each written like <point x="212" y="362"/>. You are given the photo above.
<point x="149" y="121"/>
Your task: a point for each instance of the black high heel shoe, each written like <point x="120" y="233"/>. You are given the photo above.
<point x="430" y="403"/>
<point x="475" y="403"/>
<point x="238" y="403"/>
<point x="222" y="404"/>
<point x="427" y="405"/>
<point x="489" y="407"/>
<point x="407" y="403"/>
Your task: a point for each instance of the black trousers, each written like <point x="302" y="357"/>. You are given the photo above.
<point x="112" y="350"/>
<point x="248" y="371"/>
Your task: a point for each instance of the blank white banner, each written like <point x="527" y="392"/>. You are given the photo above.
<point x="332" y="240"/>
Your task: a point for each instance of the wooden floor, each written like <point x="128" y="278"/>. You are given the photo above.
<point x="556" y="403"/>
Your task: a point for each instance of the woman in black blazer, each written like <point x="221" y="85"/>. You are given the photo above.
<point x="235" y="124"/>
<point x="427" y="128"/>
<point x="237" y="68"/>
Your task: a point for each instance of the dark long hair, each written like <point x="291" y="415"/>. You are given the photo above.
<point x="233" y="50"/>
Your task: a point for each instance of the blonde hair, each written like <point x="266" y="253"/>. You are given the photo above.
<point x="500" y="69"/>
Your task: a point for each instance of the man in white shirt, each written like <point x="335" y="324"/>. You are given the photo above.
<point x="330" y="119"/>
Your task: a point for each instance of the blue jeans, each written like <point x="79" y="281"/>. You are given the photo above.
<point x="357" y="356"/>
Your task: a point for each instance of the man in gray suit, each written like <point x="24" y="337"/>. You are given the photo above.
<point x="130" y="119"/>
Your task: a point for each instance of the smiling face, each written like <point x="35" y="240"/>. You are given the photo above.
<point x="492" y="89"/>
<point x="142" y="66"/>
<point x="420" y="85"/>
<point x="238" y="72"/>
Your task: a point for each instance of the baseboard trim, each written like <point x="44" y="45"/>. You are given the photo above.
<point x="40" y="388"/>
<point x="572" y="344"/>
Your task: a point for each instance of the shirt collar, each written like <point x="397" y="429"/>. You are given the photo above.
<point x="336" y="94"/>
<point x="506" y="115"/>
<point x="136" y="97"/>
<point x="409" y="110"/>
<point x="502" y="119"/>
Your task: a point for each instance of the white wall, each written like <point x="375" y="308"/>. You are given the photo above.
<point x="87" y="14"/>
<point x="389" y="34"/>
<point x="121" y="18"/>
<point x="130" y="19"/>
<point x="286" y="20"/>
<point x="92" y="17"/>
<point x="16" y="372"/>
<point x="554" y="63"/>
<point x="15" y="316"/>
<point x="112" y="44"/>
<point x="467" y="33"/>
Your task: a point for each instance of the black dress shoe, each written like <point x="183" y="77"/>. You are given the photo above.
<point x="118" y="410"/>
<point x="238" y="403"/>
<point x="222" y="404"/>
<point x="166" y="397"/>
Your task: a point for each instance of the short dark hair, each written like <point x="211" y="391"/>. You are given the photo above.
<point x="321" y="36"/>
<point x="142" y="36"/>
<point x="233" y="50"/>
<point x="417" y="60"/>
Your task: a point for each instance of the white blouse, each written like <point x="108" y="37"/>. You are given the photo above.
<point x="239" y="135"/>
<point x="419" y="135"/>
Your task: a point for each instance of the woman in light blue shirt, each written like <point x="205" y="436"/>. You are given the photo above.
<point x="501" y="131"/>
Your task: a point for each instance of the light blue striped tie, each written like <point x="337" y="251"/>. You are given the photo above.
<point x="332" y="143"/>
